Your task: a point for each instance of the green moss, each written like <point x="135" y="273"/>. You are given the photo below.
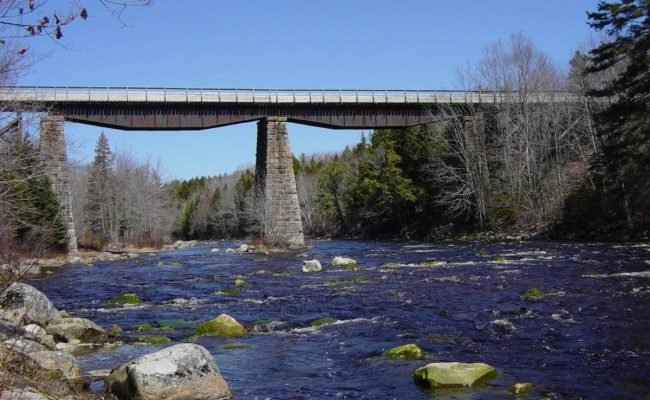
<point x="353" y="279"/>
<point x="534" y="293"/>
<point x="481" y="254"/>
<point x="499" y="259"/>
<point x="127" y="298"/>
<point x="239" y="282"/>
<point x="172" y="264"/>
<point x="223" y="325"/>
<point x="451" y="374"/>
<point x="521" y="388"/>
<point x="406" y="352"/>
<point x="321" y="321"/>
<point x="174" y="323"/>
<point x="166" y="329"/>
<point x="391" y="264"/>
<point x="236" y="346"/>
<point x="432" y="263"/>
<point x="141" y="328"/>
<point x="230" y="292"/>
<point x="153" y="339"/>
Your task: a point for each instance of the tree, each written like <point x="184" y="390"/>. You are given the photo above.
<point x="624" y="126"/>
<point x="98" y="206"/>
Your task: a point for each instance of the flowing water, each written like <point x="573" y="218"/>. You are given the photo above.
<point x="589" y="337"/>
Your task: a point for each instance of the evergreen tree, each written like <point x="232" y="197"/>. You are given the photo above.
<point x="624" y="126"/>
<point x="32" y="204"/>
<point x="100" y="195"/>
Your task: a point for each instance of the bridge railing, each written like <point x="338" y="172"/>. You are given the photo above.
<point x="125" y="94"/>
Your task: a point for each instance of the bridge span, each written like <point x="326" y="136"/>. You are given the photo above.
<point x="158" y="108"/>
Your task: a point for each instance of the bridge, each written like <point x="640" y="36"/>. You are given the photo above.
<point x="159" y="109"/>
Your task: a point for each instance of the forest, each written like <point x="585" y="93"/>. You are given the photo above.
<point x="558" y="171"/>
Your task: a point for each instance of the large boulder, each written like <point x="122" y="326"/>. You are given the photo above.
<point x="8" y="329"/>
<point x="74" y="328"/>
<point x="223" y="325"/>
<point x="23" y="346"/>
<point x="446" y="374"/>
<point x="344" y="262"/>
<point x="21" y="302"/>
<point x="59" y="361"/>
<point x="22" y="394"/>
<point x="183" y="371"/>
<point x="311" y="266"/>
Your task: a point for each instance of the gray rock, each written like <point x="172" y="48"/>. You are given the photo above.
<point x="21" y="302"/>
<point x="35" y="330"/>
<point x="57" y="361"/>
<point x="502" y="326"/>
<point x="8" y="329"/>
<point x="29" y="267"/>
<point x="23" y="346"/>
<point x="100" y="373"/>
<point x="22" y="394"/>
<point x="311" y="266"/>
<point x="105" y="256"/>
<point x="344" y="262"/>
<point x="243" y="248"/>
<point x="183" y="371"/>
<point x="74" y="328"/>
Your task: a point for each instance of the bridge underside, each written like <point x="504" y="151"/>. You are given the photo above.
<point x="195" y="117"/>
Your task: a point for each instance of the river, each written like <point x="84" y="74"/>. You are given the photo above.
<point x="588" y="337"/>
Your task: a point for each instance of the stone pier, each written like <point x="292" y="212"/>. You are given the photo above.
<point x="53" y="154"/>
<point x="276" y="183"/>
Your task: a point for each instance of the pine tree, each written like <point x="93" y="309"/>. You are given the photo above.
<point x="99" y="190"/>
<point x="624" y="126"/>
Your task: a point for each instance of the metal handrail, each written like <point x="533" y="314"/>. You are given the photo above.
<point x="148" y="94"/>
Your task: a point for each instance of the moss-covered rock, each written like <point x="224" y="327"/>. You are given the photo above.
<point x="141" y="328"/>
<point x="521" y="388"/>
<point x="126" y="298"/>
<point x="405" y="352"/>
<point x="174" y="323"/>
<point x="223" y="325"/>
<point x="153" y="339"/>
<point x="432" y="263"/>
<point x="344" y="262"/>
<point x="449" y="374"/>
<point x="321" y="321"/>
<point x="534" y="294"/>
<point x="239" y="282"/>
<point x="391" y="264"/>
<point x="237" y="346"/>
<point x="498" y="260"/>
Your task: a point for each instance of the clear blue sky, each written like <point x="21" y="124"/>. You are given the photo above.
<point x="405" y="44"/>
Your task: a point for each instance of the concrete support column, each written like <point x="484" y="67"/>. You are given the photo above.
<point x="53" y="155"/>
<point x="276" y="181"/>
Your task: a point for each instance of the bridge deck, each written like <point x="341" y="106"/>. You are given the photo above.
<point x="70" y="94"/>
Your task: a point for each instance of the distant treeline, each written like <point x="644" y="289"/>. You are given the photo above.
<point x="562" y="170"/>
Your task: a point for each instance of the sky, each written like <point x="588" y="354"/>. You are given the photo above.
<point x="332" y="44"/>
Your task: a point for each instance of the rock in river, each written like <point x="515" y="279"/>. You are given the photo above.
<point x="223" y="325"/>
<point x="60" y="361"/>
<point x="447" y="374"/>
<point x="184" y="371"/>
<point x="344" y="262"/>
<point x="21" y="302"/>
<point x="406" y="352"/>
<point x="74" y="328"/>
<point x="311" y="266"/>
